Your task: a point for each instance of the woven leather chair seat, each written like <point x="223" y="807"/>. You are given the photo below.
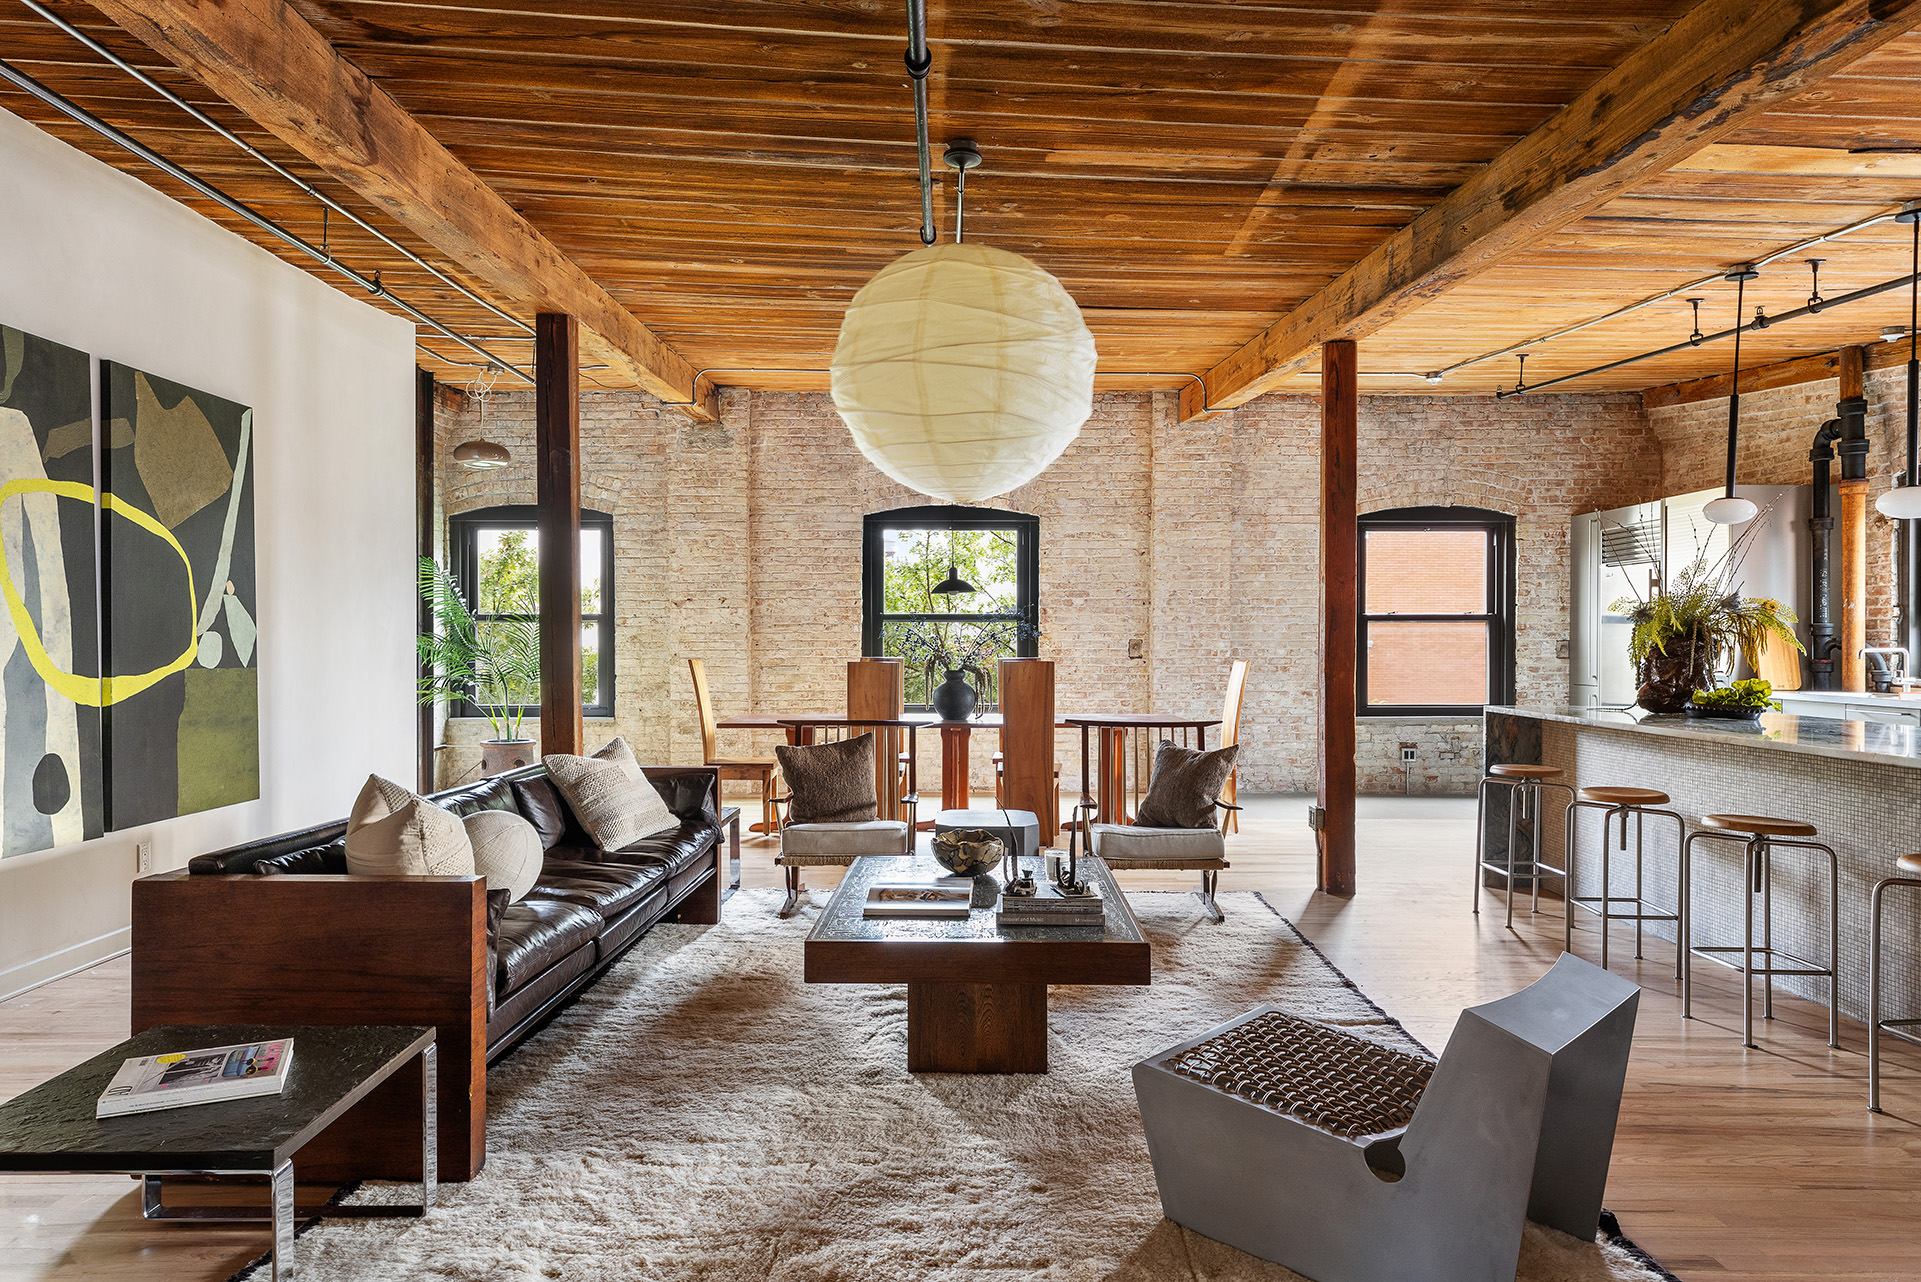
<point x="1319" y="1074"/>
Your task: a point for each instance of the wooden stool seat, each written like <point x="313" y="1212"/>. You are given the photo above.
<point x="1908" y="865"/>
<point x="1625" y="796"/>
<point x="1521" y="770"/>
<point x="1759" y="825"/>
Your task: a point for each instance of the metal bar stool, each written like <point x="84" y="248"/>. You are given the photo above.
<point x="1911" y="866"/>
<point x="1761" y="837"/>
<point x="1526" y="781"/>
<point x="1622" y="802"/>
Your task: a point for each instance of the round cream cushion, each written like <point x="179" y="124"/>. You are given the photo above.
<point x="506" y="851"/>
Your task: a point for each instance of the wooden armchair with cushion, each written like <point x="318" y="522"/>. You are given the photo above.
<point x="1175" y="827"/>
<point x="758" y="770"/>
<point x="832" y="809"/>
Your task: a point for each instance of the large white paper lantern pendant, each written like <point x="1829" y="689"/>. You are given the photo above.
<point x="963" y="371"/>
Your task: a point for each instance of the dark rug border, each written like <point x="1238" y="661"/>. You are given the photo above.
<point x="1610" y="1223"/>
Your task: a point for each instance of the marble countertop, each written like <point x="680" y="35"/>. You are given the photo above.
<point x="1780" y="731"/>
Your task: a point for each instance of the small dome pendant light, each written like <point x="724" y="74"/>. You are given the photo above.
<point x="954" y="584"/>
<point x="1729" y="510"/>
<point x="1903" y="502"/>
<point x="481" y="454"/>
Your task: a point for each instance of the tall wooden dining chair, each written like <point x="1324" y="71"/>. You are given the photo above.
<point x="759" y="770"/>
<point x="1231" y="734"/>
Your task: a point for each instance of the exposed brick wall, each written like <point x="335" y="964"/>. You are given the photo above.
<point x="1777" y="428"/>
<point x="740" y="544"/>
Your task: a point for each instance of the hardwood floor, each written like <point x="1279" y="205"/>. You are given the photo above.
<point x="1729" y="1164"/>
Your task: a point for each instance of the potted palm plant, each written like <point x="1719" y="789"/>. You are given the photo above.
<point x="1696" y="622"/>
<point x="495" y="666"/>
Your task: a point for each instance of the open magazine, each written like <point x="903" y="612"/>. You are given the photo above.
<point x="197" y="1077"/>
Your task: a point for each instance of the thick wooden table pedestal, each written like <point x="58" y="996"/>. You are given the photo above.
<point x="976" y="1028"/>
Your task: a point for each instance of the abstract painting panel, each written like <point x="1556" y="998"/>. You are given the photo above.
<point x="181" y="692"/>
<point x="50" y="754"/>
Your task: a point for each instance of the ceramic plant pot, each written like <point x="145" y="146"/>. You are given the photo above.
<point x="953" y="698"/>
<point x="498" y="756"/>
<point x="1668" y="681"/>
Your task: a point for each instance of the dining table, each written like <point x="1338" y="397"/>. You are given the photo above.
<point x="1108" y="733"/>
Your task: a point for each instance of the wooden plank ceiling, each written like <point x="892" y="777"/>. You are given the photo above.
<point x="733" y="170"/>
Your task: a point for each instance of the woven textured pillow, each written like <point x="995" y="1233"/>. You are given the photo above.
<point x="507" y="851"/>
<point x="391" y="832"/>
<point x="610" y="796"/>
<point x="1185" y="786"/>
<point x="831" y="783"/>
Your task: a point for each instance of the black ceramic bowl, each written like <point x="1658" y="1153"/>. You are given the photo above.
<point x="1705" y="713"/>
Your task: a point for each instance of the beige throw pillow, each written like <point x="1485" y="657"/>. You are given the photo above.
<point x="507" y="851"/>
<point x="608" y="794"/>
<point x="391" y="832"/>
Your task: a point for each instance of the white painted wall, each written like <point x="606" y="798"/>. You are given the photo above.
<point x="97" y="260"/>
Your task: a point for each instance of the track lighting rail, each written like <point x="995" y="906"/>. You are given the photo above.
<point x="1868" y="291"/>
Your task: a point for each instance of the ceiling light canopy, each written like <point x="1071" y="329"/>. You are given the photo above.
<point x="963" y="371"/>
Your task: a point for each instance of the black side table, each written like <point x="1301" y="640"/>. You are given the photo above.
<point x="52" y="1126"/>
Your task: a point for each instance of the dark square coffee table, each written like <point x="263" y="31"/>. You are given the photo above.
<point x="976" y="994"/>
<point x="52" y="1126"/>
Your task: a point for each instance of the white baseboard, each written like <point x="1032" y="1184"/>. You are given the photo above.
<point x="44" y="970"/>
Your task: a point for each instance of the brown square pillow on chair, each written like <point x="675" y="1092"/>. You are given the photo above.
<point x="1185" y="786"/>
<point x="830" y="783"/>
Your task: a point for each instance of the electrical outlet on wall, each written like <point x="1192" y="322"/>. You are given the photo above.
<point x="143" y="854"/>
<point x="1136" y="648"/>
<point x="1562" y="648"/>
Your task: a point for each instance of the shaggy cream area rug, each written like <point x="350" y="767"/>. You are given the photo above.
<point x="702" y="1114"/>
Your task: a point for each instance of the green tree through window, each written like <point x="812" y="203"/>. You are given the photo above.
<point x="909" y="553"/>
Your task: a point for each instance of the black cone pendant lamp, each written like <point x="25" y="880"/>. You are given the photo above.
<point x="1728" y="510"/>
<point x="953" y="584"/>
<point x="1903" y="503"/>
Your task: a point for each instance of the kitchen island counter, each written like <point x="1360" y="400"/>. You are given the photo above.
<point x="1858" y="782"/>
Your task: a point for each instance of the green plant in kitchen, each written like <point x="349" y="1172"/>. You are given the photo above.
<point x="1751" y="693"/>
<point x="494" y="665"/>
<point x="1699" y="620"/>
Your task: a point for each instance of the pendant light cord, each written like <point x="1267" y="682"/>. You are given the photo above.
<point x="1914" y="363"/>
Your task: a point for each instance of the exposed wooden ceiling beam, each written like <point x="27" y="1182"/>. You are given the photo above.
<point x="1714" y="69"/>
<point x="267" y="60"/>
<point x="1802" y="369"/>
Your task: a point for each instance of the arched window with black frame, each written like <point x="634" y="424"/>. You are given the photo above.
<point x="1436" y="633"/>
<point x="950" y="587"/>
<point x="496" y="561"/>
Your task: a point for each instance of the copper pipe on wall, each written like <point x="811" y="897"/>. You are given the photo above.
<point x="1853" y="450"/>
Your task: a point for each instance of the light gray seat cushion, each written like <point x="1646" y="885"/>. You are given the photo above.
<point x="1118" y="843"/>
<point x="866" y="837"/>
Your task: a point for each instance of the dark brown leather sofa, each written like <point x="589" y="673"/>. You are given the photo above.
<point x="276" y="931"/>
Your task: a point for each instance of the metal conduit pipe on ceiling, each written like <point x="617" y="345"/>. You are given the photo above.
<point x="282" y="171"/>
<point x="23" y="81"/>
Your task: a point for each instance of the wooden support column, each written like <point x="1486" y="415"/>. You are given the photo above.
<point x="1339" y="606"/>
<point x="424" y="463"/>
<point x="557" y="490"/>
<point x="1854" y="525"/>
<point x="876" y="691"/>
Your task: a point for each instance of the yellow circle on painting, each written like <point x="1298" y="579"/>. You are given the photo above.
<point x="168" y="1059"/>
<point x="90" y="692"/>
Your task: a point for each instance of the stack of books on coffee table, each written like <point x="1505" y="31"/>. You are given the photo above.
<point x="1047" y="906"/>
